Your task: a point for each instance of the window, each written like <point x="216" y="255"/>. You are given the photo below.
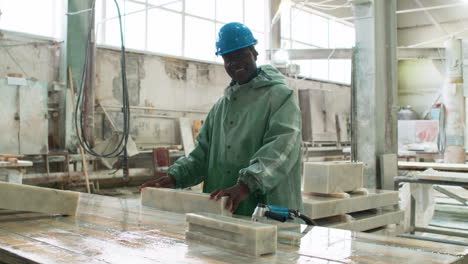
<point x="164" y="39"/>
<point x="199" y="39"/>
<point x="319" y="32"/>
<point x="185" y="28"/>
<point x="202" y="8"/>
<point x="44" y="18"/>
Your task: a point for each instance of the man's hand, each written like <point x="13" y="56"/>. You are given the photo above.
<point x="162" y="182"/>
<point x="236" y="194"/>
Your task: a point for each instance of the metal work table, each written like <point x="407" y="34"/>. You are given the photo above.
<point x="13" y="171"/>
<point x="404" y="165"/>
<point x="433" y="178"/>
<point x="112" y="230"/>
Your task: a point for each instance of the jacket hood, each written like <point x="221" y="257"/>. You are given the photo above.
<point x="268" y="76"/>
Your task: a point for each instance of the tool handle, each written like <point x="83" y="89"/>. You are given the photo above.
<point x="275" y="216"/>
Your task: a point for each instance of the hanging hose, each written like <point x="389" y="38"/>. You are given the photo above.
<point x="121" y="147"/>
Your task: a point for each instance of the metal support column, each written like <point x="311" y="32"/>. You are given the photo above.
<point x="275" y="41"/>
<point x="375" y="82"/>
<point x="79" y="25"/>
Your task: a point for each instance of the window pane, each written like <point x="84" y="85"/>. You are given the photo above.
<point x="319" y="69"/>
<point x="297" y="45"/>
<point x="305" y="67"/>
<point x="135" y="31"/>
<point x="347" y="71"/>
<point x="112" y="33"/>
<point x="315" y="34"/>
<point x="124" y="6"/>
<point x="319" y="31"/>
<point x="300" y="31"/>
<point x="260" y="47"/>
<point x="164" y="32"/>
<point x="112" y="27"/>
<point x="229" y="10"/>
<point x="199" y="39"/>
<point x="34" y="17"/>
<point x="177" y="6"/>
<point x="255" y="14"/>
<point x="203" y="8"/>
<point x="337" y="70"/>
<point x="218" y="27"/>
<point x="341" y="36"/>
<point x="286" y="23"/>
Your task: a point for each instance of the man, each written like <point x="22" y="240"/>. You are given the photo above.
<point x="249" y="147"/>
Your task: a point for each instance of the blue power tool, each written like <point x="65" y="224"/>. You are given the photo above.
<point x="279" y="213"/>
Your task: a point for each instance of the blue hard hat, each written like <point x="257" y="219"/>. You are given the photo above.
<point x="234" y="36"/>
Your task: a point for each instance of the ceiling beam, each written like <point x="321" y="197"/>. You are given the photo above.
<point x="342" y="54"/>
<point x="431" y="17"/>
<point x="422" y="9"/>
<point x="427" y="8"/>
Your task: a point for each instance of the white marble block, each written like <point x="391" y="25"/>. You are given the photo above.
<point x="332" y="177"/>
<point x="239" y="235"/>
<point x="37" y="199"/>
<point x="319" y="207"/>
<point x="180" y="201"/>
<point x="365" y="220"/>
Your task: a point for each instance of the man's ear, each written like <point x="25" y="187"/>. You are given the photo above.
<point x="254" y="52"/>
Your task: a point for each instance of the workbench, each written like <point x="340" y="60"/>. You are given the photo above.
<point x="113" y="230"/>
<point x="459" y="167"/>
<point x="13" y="171"/>
<point x="433" y="178"/>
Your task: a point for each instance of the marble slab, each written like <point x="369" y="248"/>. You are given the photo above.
<point x="115" y="230"/>
<point x="365" y="220"/>
<point x="319" y="207"/>
<point x="407" y="165"/>
<point x="239" y="235"/>
<point x="392" y="230"/>
<point x="444" y="176"/>
<point x="20" y="197"/>
<point x="332" y="177"/>
<point x="181" y="201"/>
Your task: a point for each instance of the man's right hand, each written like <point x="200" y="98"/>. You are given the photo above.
<point x="162" y="182"/>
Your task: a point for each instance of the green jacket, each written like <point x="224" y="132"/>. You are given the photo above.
<point x="252" y="135"/>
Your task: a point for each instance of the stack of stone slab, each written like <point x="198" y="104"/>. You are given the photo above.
<point x="358" y="210"/>
<point x="210" y="223"/>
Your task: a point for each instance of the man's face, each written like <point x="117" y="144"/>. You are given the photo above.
<point x="241" y="64"/>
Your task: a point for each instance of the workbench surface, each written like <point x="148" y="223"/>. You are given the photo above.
<point x="113" y="230"/>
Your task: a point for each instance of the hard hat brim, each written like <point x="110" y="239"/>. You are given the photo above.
<point x="237" y="48"/>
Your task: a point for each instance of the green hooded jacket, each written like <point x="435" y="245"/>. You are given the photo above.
<point x="252" y="135"/>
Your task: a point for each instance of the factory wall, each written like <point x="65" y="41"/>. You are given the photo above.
<point x="419" y="83"/>
<point x="174" y="87"/>
<point x="167" y="88"/>
<point x="32" y="57"/>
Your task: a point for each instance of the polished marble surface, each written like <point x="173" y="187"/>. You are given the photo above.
<point x="112" y="230"/>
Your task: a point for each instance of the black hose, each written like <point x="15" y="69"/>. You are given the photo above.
<point x="121" y="147"/>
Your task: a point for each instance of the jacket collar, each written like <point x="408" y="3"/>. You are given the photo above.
<point x="234" y="86"/>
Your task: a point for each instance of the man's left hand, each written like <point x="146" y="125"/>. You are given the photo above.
<point x="236" y="194"/>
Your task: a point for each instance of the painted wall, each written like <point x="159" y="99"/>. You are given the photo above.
<point x="419" y="83"/>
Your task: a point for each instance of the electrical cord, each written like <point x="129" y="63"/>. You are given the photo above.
<point x="121" y="147"/>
